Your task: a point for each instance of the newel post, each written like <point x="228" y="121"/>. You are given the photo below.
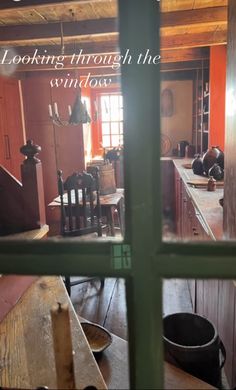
<point x="33" y="191"/>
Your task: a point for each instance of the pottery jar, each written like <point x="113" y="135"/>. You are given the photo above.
<point x="197" y="165"/>
<point x="216" y="172"/>
<point x="211" y="185"/>
<point x="211" y="157"/>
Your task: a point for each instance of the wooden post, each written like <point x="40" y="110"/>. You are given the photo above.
<point x="32" y="181"/>
<point x="63" y="347"/>
<point x="230" y="137"/>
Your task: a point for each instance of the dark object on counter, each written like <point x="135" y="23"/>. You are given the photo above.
<point x="181" y="148"/>
<point x="197" y="165"/>
<point x="189" y="151"/>
<point x="216" y="172"/>
<point x="113" y="154"/>
<point x="221" y="158"/>
<point x="211" y="185"/>
<point x="212" y="156"/>
<point x="221" y="202"/>
<point x="191" y="342"/>
<point x="175" y="152"/>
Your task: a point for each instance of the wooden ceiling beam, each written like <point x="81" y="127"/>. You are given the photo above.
<point x="22" y="33"/>
<point x="184" y="66"/>
<point x="203" y="16"/>
<point x="101" y="47"/>
<point x="94" y="62"/>
<point x="111" y="47"/>
<point x="191" y="40"/>
<point x="51" y="31"/>
<point x="9" y="4"/>
<point x="184" y="55"/>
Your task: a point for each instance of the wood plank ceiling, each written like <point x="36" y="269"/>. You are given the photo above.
<point x="188" y="27"/>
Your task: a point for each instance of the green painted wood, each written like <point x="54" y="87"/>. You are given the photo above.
<point x="140" y="88"/>
<point x="151" y="260"/>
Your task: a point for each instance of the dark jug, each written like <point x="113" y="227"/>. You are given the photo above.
<point x="216" y="172"/>
<point x="197" y="165"/>
<point x="210" y="158"/>
<point x="181" y="148"/>
<point x="189" y="151"/>
<point x="220" y="158"/>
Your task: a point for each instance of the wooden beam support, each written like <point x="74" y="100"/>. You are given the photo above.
<point x="101" y="47"/>
<point x="183" y="55"/>
<point x="94" y="62"/>
<point x="9" y="4"/>
<point x="13" y="35"/>
<point x="111" y="47"/>
<point x="52" y="31"/>
<point x="183" y="66"/>
<point x="202" y="16"/>
<point x="171" y="42"/>
<point x="190" y="40"/>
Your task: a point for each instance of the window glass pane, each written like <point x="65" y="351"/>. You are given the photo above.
<point x="114" y="128"/>
<point x="121" y="140"/>
<point x="106" y="141"/>
<point x="105" y="108"/>
<point x="105" y="128"/>
<point x="114" y="108"/>
<point x="121" y="106"/>
<point x="115" y="140"/>
<point x="121" y="114"/>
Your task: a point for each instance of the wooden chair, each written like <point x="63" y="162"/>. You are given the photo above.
<point x="80" y="210"/>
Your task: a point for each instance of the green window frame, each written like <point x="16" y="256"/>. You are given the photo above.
<point x="150" y="260"/>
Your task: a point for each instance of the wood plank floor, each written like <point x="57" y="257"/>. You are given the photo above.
<point x="107" y="306"/>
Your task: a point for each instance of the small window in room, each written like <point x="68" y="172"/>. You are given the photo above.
<point x="111" y="106"/>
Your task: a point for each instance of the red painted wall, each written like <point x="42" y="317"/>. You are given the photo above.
<point x="62" y="147"/>
<point x="217" y="95"/>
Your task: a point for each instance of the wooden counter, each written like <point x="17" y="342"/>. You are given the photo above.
<point x="26" y="353"/>
<point x="207" y="203"/>
<point x="199" y="217"/>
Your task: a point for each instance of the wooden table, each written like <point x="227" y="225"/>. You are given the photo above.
<point x="26" y="353"/>
<point x="109" y="203"/>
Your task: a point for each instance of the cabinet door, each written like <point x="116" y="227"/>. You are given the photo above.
<point x="178" y="214"/>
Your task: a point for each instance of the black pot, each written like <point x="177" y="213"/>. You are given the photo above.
<point x="197" y="165"/>
<point x="213" y="156"/>
<point x="220" y="158"/>
<point x="216" y="172"/>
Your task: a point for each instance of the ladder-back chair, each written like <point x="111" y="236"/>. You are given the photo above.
<point x="80" y="210"/>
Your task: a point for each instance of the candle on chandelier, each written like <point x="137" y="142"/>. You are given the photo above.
<point x="50" y="110"/>
<point x="56" y="109"/>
